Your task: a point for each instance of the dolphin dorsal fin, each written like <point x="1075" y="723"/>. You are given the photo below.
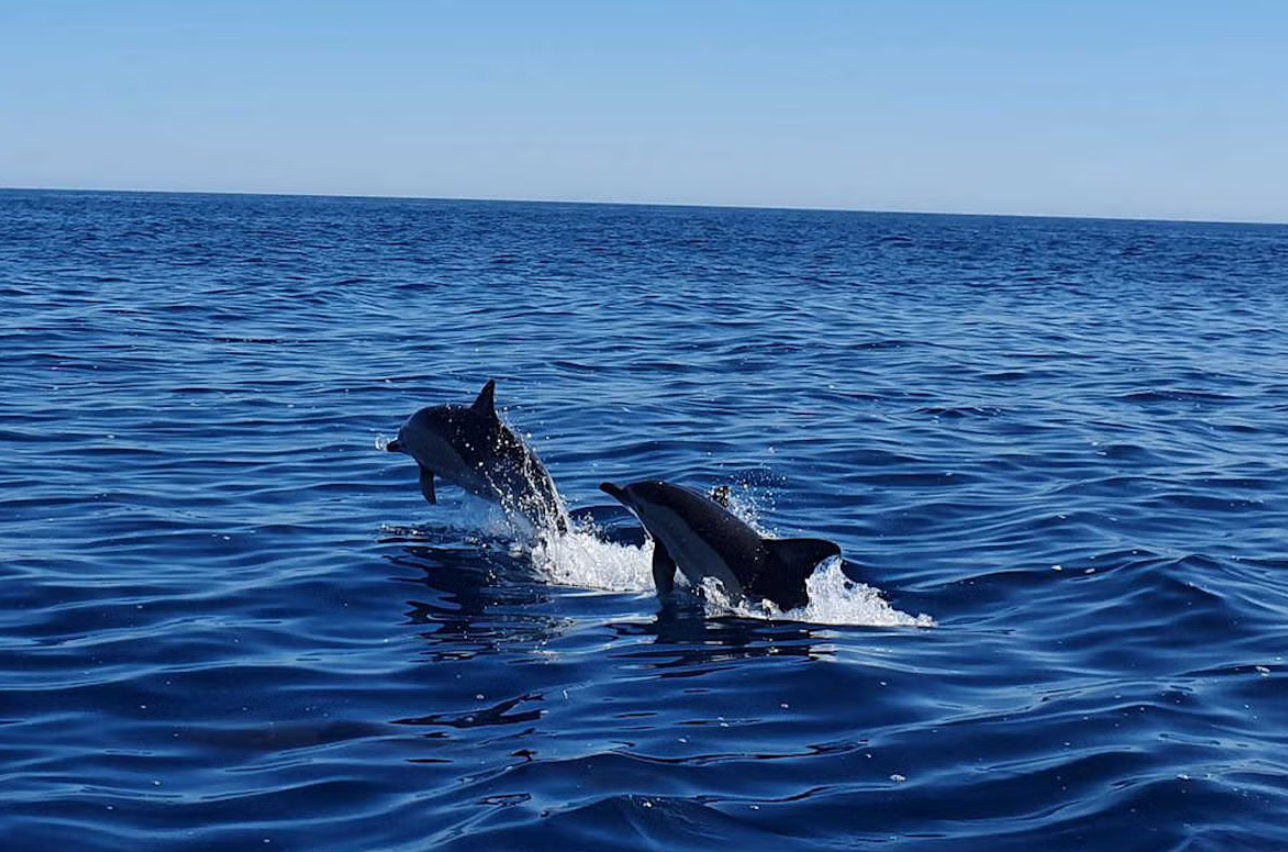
<point x="486" y="402"/>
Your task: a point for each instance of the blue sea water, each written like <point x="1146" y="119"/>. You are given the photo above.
<point x="1054" y="452"/>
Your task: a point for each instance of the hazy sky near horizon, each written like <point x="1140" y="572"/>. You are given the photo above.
<point x="1137" y="108"/>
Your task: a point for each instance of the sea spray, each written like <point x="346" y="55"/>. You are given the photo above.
<point x="584" y="559"/>
<point x="833" y="599"/>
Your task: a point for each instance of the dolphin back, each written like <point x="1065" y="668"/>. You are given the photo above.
<point x="789" y="562"/>
<point x="524" y="483"/>
<point x="470" y="446"/>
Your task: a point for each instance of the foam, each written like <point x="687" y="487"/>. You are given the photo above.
<point x="833" y="599"/>
<point x="582" y="559"/>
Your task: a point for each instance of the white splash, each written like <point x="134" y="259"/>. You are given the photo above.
<point x="582" y="559"/>
<point x="836" y="599"/>
<point x="833" y="599"/>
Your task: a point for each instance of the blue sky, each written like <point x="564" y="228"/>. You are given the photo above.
<point x="1137" y="108"/>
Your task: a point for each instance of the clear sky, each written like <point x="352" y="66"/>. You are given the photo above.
<point x="1138" y="108"/>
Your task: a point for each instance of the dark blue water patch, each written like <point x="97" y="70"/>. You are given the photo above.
<point x="232" y="622"/>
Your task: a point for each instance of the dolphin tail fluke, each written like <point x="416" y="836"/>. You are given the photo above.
<point x="791" y="561"/>
<point x="800" y="555"/>
<point x="427" y="484"/>
<point x="486" y="402"/>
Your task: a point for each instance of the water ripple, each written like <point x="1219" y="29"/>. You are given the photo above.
<point x="231" y="623"/>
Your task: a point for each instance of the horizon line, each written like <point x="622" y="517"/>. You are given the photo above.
<point x="688" y="205"/>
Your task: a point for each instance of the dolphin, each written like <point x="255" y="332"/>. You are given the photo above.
<point x="469" y="446"/>
<point x="705" y="539"/>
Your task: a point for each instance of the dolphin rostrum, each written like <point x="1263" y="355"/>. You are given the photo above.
<point x="704" y="539"/>
<point x="469" y="446"/>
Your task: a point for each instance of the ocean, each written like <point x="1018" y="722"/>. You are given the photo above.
<point x="1054" y="453"/>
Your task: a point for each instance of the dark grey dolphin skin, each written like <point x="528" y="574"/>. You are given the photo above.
<point x="469" y="446"/>
<point x="702" y="537"/>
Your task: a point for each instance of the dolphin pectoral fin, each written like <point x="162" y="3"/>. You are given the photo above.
<point x="486" y="402"/>
<point x="663" y="569"/>
<point x="427" y="484"/>
<point x="790" y="562"/>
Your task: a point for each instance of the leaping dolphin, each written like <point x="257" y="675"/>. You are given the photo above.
<point x="469" y="446"/>
<point x="704" y="539"/>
